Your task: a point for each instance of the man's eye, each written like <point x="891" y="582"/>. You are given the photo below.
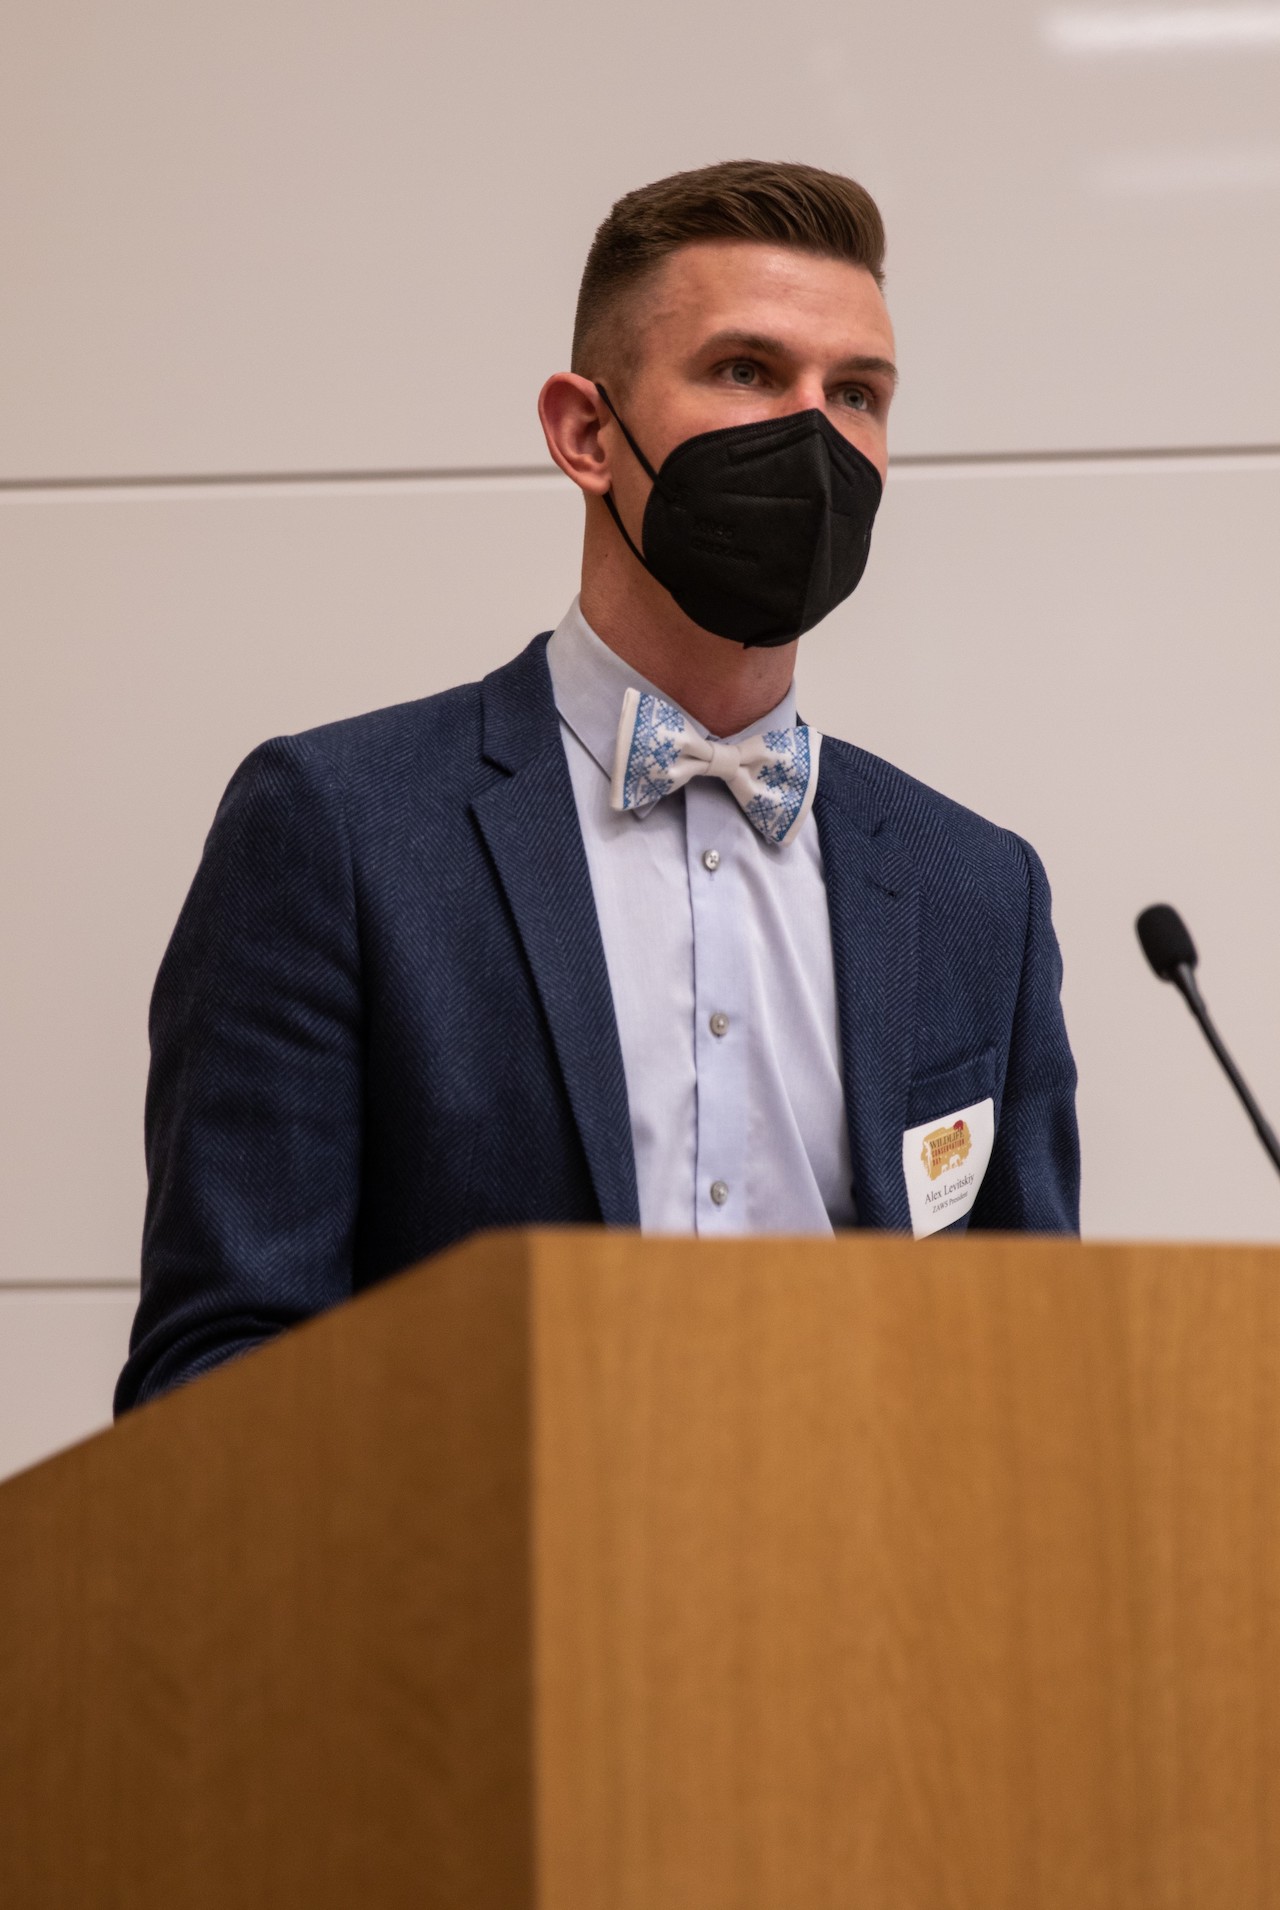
<point x="744" y="372"/>
<point x="857" y="399"/>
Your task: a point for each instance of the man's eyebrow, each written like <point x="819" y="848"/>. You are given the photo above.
<point x="774" y="348"/>
<point x="747" y="341"/>
<point x="884" y="366"/>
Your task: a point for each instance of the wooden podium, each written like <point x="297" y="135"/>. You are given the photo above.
<point x="580" y="1572"/>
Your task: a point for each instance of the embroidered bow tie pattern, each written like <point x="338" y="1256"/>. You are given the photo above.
<point x="772" y="776"/>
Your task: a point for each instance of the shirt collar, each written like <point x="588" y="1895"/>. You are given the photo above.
<point x="589" y="680"/>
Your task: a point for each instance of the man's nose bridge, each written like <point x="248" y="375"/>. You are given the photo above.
<point x="808" y="393"/>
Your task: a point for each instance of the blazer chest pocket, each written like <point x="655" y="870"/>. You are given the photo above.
<point x="932" y="1097"/>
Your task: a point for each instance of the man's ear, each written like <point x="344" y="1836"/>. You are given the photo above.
<point x="572" y="413"/>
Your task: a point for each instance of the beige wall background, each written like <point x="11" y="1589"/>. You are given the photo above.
<point x="281" y="283"/>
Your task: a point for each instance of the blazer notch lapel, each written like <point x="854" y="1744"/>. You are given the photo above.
<point x="529" y="821"/>
<point x="873" y="895"/>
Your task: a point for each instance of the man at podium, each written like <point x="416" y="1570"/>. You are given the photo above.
<point x="613" y="936"/>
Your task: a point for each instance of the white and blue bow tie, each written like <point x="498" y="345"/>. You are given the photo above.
<point x="772" y="776"/>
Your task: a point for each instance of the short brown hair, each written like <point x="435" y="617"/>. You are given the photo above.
<point x="770" y="203"/>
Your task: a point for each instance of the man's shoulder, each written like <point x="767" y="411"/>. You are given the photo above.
<point x="440" y="737"/>
<point x="444" y="725"/>
<point x="939" y="833"/>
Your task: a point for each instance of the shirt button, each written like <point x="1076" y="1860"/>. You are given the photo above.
<point x="719" y="1192"/>
<point x="719" y="1024"/>
<point x="711" y="859"/>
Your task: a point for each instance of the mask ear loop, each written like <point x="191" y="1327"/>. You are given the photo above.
<point x="645" y="466"/>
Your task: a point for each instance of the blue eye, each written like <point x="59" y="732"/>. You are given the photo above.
<point x="743" y="373"/>
<point x="857" y="398"/>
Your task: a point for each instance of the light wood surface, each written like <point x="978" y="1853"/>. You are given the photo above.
<point x="586" y="1573"/>
<point x="265" y="1645"/>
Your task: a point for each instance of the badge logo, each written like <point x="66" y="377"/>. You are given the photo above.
<point x="946" y="1147"/>
<point x="943" y="1162"/>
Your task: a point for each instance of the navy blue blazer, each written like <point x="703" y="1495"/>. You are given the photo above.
<point x="384" y="1019"/>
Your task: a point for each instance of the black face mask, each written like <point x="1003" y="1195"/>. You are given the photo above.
<point x="759" y="530"/>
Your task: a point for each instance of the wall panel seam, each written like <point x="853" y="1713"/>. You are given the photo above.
<point x="944" y="463"/>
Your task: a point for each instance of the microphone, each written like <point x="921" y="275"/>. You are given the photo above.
<point x="1168" y="947"/>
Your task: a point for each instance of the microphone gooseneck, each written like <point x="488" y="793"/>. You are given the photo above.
<point x="1167" y="945"/>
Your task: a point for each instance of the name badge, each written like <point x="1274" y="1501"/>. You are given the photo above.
<point x="944" y="1162"/>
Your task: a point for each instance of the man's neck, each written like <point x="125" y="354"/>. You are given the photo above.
<point x="723" y="686"/>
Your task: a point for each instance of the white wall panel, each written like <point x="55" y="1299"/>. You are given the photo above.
<point x="60" y="1354"/>
<point x="1086" y="656"/>
<point x="243" y="237"/>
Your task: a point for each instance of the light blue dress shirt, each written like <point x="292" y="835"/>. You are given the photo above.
<point x="718" y="947"/>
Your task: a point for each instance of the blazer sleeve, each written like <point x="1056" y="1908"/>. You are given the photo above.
<point x="1032" y="1184"/>
<point x="253" y="1111"/>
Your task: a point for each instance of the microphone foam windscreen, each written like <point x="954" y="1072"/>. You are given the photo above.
<point x="1166" y="942"/>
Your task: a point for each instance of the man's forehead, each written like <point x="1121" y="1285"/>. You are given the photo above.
<point x="771" y="297"/>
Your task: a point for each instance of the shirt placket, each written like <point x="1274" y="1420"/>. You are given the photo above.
<point x="712" y="832"/>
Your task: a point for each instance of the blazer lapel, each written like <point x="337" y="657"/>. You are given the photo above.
<point x="873" y="897"/>
<point x="529" y="821"/>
